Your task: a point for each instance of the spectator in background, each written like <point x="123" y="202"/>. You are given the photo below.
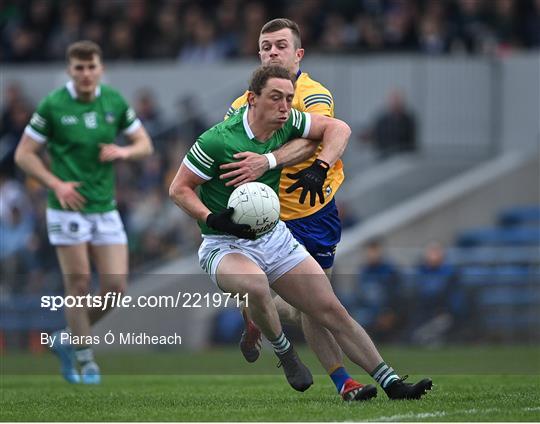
<point x="370" y="35"/>
<point x="148" y="112"/>
<point x="229" y="33"/>
<point x="334" y="35"/>
<point x="505" y="25"/>
<point x="432" y="38"/>
<point x="23" y="47"/>
<point x="67" y="31"/>
<point x="394" y="130"/>
<point x="437" y="296"/>
<point x="472" y="32"/>
<point x="379" y="294"/>
<point x="203" y="47"/>
<point x="138" y="15"/>
<point x="94" y="31"/>
<point x="40" y="19"/>
<point x="192" y="120"/>
<point x="399" y="32"/>
<point x="15" y="116"/>
<point x="255" y="16"/>
<point x="168" y="37"/>
<point x="17" y="234"/>
<point x="531" y="30"/>
<point x="121" y="45"/>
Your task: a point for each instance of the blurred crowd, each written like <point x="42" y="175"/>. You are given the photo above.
<point x="213" y="30"/>
<point x="424" y="303"/>
<point x="157" y="230"/>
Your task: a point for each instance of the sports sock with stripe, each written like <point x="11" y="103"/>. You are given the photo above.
<point x="281" y="344"/>
<point x="339" y="376"/>
<point x="84" y="354"/>
<point x="384" y="375"/>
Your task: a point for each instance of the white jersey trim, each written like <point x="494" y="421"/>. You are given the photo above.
<point x="307" y="127"/>
<point x="70" y="85"/>
<point x="135" y="125"/>
<point x="195" y="170"/>
<point x="246" y="124"/>
<point x="34" y="135"/>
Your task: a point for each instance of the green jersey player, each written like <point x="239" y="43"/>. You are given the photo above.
<point x="242" y="265"/>
<point x="79" y="123"/>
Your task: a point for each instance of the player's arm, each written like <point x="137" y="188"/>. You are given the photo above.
<point x="27" y="158"/>
<point x="251" y="166"/>
<point x="140" y="146"/>
<point x="182" y="192"/>
<point x="334" y="135"/>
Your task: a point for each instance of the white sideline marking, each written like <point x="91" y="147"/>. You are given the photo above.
<point x="438" y="414"/>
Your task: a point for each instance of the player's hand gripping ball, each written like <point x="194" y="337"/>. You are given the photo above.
<point x="256" y="205"/>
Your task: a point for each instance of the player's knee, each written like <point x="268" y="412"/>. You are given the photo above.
<point x="258" y="293"/>
<point x="116" y="284"/>
<point x="333" y="315"/>
<point x="77" y="284"/>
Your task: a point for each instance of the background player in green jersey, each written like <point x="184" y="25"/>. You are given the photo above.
<point x="241" y="265"/>
<point x="79" y="123"/>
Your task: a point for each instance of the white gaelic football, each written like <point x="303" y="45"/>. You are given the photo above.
<point x="256" y="205"/>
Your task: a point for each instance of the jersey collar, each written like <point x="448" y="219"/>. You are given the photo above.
<point x="73" y="93"/>
<point x="246" y="124"/>
<point x="298" y="74"/>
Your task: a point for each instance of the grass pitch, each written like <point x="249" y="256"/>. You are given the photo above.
<point x="476" y="384"/>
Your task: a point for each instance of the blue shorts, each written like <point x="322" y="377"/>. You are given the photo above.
<point x="319" y="233"/>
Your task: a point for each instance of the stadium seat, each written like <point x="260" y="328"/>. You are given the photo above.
<point x="521" y="215"/>
<point x="23" y="312"/>
<point x="499" y="236"/>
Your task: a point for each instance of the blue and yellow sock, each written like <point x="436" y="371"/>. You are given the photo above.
<point x="339" y="376"/>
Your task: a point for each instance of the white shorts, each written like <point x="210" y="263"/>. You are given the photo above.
<point x="276" y="252"/>
<point x="69" y="228"/>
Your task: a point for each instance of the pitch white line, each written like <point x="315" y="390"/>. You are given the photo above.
<point x="438" y="414"/>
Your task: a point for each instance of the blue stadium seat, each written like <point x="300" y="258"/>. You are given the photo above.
<point x="500" y="236"/>
<point x="520" y="215"/>
<point x="492" y="255"/>
<point x="510" y="296"/>
<point x="23" y="312"/>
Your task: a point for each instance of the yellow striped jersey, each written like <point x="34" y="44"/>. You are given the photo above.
<point x="309" y="96"/>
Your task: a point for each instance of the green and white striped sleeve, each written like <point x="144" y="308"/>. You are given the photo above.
<point x="202" y="157"/>
<point x="39" y="127"/>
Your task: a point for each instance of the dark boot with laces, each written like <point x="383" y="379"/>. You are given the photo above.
<point x="298" y="375"/>
<point x="398" y="389"/>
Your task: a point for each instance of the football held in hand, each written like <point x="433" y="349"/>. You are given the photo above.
<point x="256" y="205"/>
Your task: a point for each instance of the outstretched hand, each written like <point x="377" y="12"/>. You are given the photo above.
<point x="310" y="180"/>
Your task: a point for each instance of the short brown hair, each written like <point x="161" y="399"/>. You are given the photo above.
<point x="263" y="73"/>
<point x="83" y="50"/>
<point x="281" y="23"/>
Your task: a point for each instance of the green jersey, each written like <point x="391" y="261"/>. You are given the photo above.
<point x="73" y="131"/>
<point x="218" y="145"/>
